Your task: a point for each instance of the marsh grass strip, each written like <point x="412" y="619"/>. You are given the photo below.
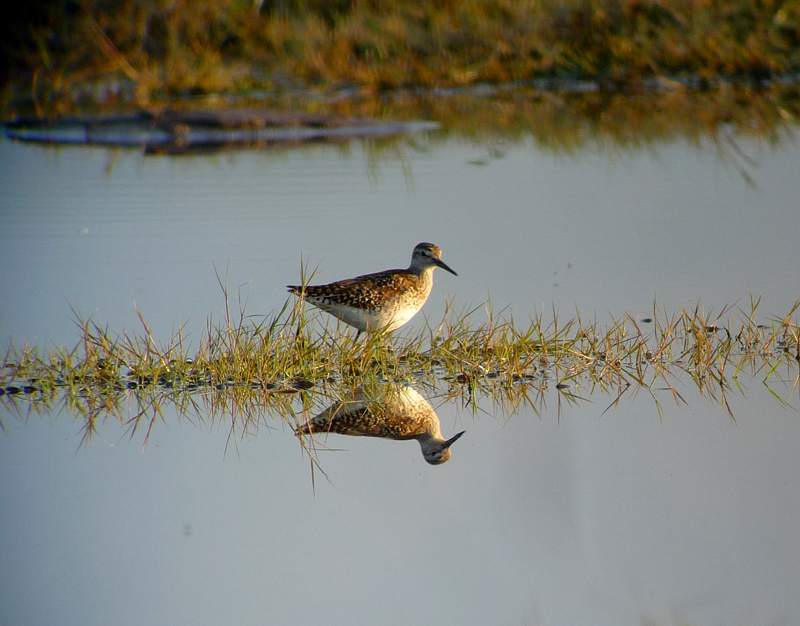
<point x="290" y="363"/>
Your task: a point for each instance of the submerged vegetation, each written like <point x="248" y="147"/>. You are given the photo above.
<point x="290" y="364"/>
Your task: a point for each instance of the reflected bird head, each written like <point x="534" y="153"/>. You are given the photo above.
<point x="440" y="452"/>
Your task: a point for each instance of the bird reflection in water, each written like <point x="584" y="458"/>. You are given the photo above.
<point x="389" y="412"/>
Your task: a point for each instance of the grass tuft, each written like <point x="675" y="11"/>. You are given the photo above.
<point x="287" y="363"/>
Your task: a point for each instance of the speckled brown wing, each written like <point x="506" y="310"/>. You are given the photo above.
<point x="365" y="419"/>
<point x="370" y="291"/>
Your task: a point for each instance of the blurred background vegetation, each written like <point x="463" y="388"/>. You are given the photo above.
<point x="398" y="58"/>
<point x="62" y="50"/>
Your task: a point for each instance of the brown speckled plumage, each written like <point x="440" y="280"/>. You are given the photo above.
<point x="371" y="291"/>
<point x="388" y="412"/>
<point x="381" y="301"/>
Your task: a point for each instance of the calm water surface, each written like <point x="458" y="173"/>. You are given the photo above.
<point x="582" y="518"/>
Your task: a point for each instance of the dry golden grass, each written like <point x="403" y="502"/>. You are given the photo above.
<point x="142" y="50"/>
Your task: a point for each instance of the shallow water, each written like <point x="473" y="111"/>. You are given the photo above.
<point x="569" y="517"/>
<point x="603" y="233"/>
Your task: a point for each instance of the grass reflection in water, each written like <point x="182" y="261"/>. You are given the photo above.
<point x="291" y="367"/>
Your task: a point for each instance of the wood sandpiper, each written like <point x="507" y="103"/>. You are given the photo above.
<point x="389" y="412"/>
<point x="381" y="301"/>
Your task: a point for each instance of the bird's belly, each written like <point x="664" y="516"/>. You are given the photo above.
<point x="368" y="319"/>
<point x="397" y="319"/>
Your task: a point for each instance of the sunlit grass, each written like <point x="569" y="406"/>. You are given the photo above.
<point x="285" y="364"/>
<point x="65" y="55"/>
